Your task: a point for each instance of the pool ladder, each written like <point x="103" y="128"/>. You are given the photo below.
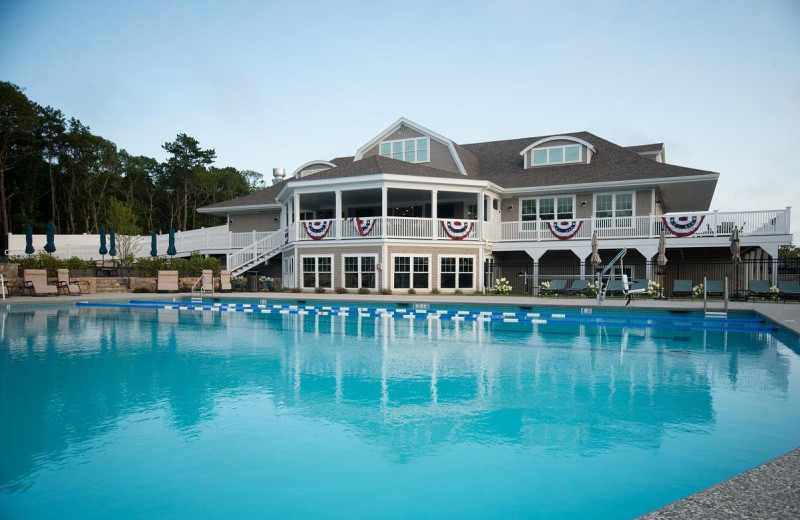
<point x="719" y="313"/>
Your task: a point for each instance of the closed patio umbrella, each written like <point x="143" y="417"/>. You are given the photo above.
<point x="103" y="249"/>
<point x="736" y="252"/>
<point x="171" y="246"/>
<point x="50" y="245"/>
<point x="595" y="250"/>
<point x="113" y="249"/>
<point x="661" y="259"/>
<point x="29" y="250"/>
<point x="153" y="244"/>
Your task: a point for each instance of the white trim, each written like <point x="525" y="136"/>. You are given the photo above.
<point x="419" y="128"/>
<point x="309" y="163"/>
<point x="374" y="256"/>
<point x="560" y="138"/>
<point x="631" y="184"/>
<point x="457" y="272"/>
<point x="555" y="198"/>
<point x="300" y="269"/>
<point x="240" y="209"/>
<point x="403" y="153"/>
<point x="614" y="207"/>
<point x="529" y="164"/>
<point x="411" y="271"/>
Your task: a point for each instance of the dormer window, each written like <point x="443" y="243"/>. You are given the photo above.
<point x="408" y="150"/>
<point x="557" y="155"/>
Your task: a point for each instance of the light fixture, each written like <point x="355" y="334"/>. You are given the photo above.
<point x="275" y="219"/>
<point x="510" y="207"/>
<point x="583" y="203"/>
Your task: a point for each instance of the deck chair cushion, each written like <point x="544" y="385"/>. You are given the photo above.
<point x="225" y="281"/>
<point x="168" y="281"/>
<point x="578" y="287"/>
<point x="789" y="290"/>
<point x="67" y="285"/>
<point x="682" y="288"/>
<point x="714" y="287"/>
<point x="36" y="281"/>
<point x="760" y="288"/>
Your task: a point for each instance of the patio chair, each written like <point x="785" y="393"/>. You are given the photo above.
<point x="682" y="288"/>
<point x="630" y="291"/>
<point x="558" y="287"/>
<point x="715" y="288"/>
<point x="168" y="281"/>
<point x="207" y="277"/>
<point x="225" y="281"/>
<point x="789" y="290"/>
<point x="760" y="289"/>
<point x="578" y="287"/>
<point x="67" y="285"/>
<point x="638" y="283"/>
<point x="614" y="288"/>
<point x="35" y="283"/>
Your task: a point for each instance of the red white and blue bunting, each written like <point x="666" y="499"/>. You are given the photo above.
<point x="286" y="236"/>
<point x="317" y="229"/>
<point x="457" y="229"/>
<point x="364" y="225"/>
<point x="684" y="225"/>
<point x="565" y="229"/>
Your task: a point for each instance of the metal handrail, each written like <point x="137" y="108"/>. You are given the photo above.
<point x="602" y="288"/>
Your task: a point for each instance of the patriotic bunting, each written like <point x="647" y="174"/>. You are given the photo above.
<point x="564" y="229"/>
<point x="683" y="226"/>
<point x="317" y="229"/>
<point x="364" y="225"/>
<point x="457" y="229"/>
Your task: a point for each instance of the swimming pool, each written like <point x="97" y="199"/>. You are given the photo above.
<point x="150" y="412"/>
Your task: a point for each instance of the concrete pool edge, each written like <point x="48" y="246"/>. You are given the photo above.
<point x="771" y="490"/>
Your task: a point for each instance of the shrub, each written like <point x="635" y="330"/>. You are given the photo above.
<point x="265" y="283"/>
<point x="458" y="292"/>
<point x="386" y="290"/>
<point x="238" y="283"/>
<point x="319" y="290"/>
<point x="653" y="289"/>
<point x="435" y="290"/>
<point x="363" y="290"/>
<point x="412" y="291"/>
<point x="697" y="291"/>
<point x="296" y="289"/>
<point x="591" y="290"/>
<point x="544" y="289"/>
<point x="341" y="290"/>
<point x="501" y="286"/>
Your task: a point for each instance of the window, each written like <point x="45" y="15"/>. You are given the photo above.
<point x="608" y="206"/>
<point x="411" y="272"/>
<point x="556" y="155"/>
<point x="359" y="271"/>
<point x="472" y="212"/>
<point x="317" y="271"/>
<point x="547" y="208"/>
<point x="456" y="272"/>
<point x="306" y="215"/>
<point x="408" y="150"/>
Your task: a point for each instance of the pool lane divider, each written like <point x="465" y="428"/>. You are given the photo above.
<point x="467" y="315"/>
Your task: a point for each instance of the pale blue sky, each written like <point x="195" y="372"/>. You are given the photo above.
<point x="275" y="84"/>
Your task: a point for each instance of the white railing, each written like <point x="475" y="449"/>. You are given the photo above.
<point x="773" y="222"/>
<point x="255" y="252"/>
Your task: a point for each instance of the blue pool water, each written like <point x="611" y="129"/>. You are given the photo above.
<point x="154" y="413"/>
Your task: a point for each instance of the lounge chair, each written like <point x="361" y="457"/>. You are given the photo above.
<point x="682" y="288"/>
<point x="558" y="287"/>
<point x="168" y="281"/>
<point x="789" y="290"/>
<point x="614" y="288"/>
<point x="578" y="287"/>
<point x="225" y="281"/>
<point x="715" y="288"/>
<point x="760" y="289"/>
<point x="67" y="285"/>
<point x="638" y="283"/>
<point x="207" y="277"/>
<point x="629" y="291"/>
<point x="36" y="283"/>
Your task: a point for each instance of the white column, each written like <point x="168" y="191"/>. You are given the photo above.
<point x="384" y="211"/>
<point x="337" y="215"/>
<point x="435" y="213"/>
<point x="283" y="222"/>
<point x="296" y="208"/>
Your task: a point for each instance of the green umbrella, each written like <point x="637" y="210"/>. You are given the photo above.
<point x="171" y="247"/>
<point x="103" y="249"/>
<point x="29" y="250"/>
<point x="50" y="245"/>
<point x="113" y="249"/>
<point x="153" y="244"/>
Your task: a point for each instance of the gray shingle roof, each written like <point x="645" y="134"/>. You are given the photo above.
<point x="501" y="163"/>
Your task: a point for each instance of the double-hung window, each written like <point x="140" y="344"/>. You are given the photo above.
<point x="614" y="209"/>
<point x="456" y="272"/>
<point x="359" y="271"/>
<point x="411" y="272"/>
<point x="317" y="272"/>
<point x="546" y="208"/>
<point x="408" y="150"/>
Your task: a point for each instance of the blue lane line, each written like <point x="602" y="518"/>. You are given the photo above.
<point x="494" y="317"/>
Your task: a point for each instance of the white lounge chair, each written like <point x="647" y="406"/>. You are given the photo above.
<point x="36" y="283"/>
<point x="225" y="281"/>
<point x="67" y="285"/>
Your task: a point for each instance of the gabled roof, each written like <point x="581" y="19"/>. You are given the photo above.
<point x="376" y="164"/>
<point x="263" y="197"/>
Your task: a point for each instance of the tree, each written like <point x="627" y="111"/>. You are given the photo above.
<point x="790" y="252"/>
<point x="52" y="126"/>
<point x="188" y="161"/>
<point x="121" y="219"/>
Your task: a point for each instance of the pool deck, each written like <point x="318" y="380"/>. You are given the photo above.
<point x="769" y="491"/>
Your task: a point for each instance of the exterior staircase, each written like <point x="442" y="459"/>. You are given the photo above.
<point x="258" y="252"/>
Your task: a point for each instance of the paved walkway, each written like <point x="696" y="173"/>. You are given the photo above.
<point x="770" y="491"/>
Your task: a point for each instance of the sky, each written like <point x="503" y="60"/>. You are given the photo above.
<point x="276" y="84"/>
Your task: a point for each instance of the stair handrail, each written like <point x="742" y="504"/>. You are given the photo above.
<point x="254" y="251"/>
